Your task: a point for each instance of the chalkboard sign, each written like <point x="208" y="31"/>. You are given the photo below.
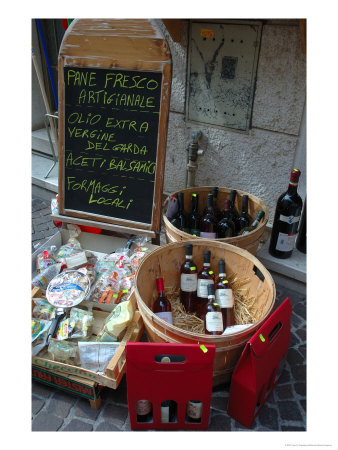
<point x="111" y="120"/>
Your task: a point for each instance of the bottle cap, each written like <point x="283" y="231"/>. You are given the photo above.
<point x="188" y="249"/>
<point x="211" y="290"/>
<point x="207" y="254"/>
<point x="221" y="266"/>
<point x="160" y="284"/>
<point x="295" y="174"/>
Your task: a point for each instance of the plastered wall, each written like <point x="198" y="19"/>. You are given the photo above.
<point x="258" y="162"/>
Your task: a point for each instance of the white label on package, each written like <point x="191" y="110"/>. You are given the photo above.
<point x="77" y="260"/>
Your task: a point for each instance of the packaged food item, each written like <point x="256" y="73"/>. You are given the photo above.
<point x="95" y="356"/>
<point x="65" y="329"/>
<point x="63" y="351"/>
<point x="39" y="326"/>
<point x="42" y="279"/>
<point x="89" y="270"/>
<point x="106" y="289"/>
<point x="43" y="309"/>
<point x="116" y="322"/>
<point x="126" y="286"/>
<point x="68" y="288"/>
<point x="137" y="256"/>
<point x="45" y="259"/>
<point x="73" y="245"/>
<point x="83" y="321"/>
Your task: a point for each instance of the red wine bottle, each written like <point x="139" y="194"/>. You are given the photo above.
<point x="286" y="220"/>
<point x="244" y="219"/>
<point x="217" y="211"/>
<point x="194" y="217"/>
<point x="188" y="282"/>
<point x="208" y="224"/>
<point x="162" y="306"/>
<point x="233" y="211"/>
<point x="180" y="220"/>
<point x="226" y="227"/>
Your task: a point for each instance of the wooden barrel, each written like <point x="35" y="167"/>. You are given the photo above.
<point x="249" y="242"/>
<point x="166" y="262"/>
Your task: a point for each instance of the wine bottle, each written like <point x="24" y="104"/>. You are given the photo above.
<point x="208" y="223"/>
<point x="224" y="296"/>
<point x="162" y="306"/>
<point x="226" y="227"/>
<point x="180" y="220"/>
<point x="286" y="220"/>
<point x="167" y="411"/>
<point x="194" y="217"/>
<point x="204" y="278"/>
<point x="212" y="314"/>
<point x="233" y="211"/>
<point x="194" y="411"/>
<point x="144" y="411"/>
<point x="254" y="224"/>
<point x="301" y="238"/>
<point x="217" y="211"/>
<point x="188" y="282"/>
<point x="244" y="219"/>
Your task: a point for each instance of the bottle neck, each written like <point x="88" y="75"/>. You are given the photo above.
<point x="194" y="204"/>
<point x="292" y="189"/>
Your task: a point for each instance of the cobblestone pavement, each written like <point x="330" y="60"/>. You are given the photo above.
<point x="285" y="409"/>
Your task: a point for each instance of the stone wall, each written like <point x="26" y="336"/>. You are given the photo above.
<point x="259" y="161"/>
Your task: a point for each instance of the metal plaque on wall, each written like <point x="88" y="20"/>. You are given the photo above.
<point x="222" y="72"/>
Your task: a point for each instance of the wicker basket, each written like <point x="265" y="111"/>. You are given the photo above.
<point x="249" y="242"/>
<point x="166" y="262"/>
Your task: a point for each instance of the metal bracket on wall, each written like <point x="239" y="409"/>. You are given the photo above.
<point x="193" y="153"/>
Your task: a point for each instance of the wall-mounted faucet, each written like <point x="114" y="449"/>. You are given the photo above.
<point x="193" y="153"/>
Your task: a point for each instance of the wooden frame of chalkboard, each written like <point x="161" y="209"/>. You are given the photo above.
<point x="114" y="94"/>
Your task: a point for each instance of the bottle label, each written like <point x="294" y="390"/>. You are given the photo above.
<point x="189" y="282"/>
<point x="285" y="242"/>
<point x="202" y="287"/>
<point x="166" y="316"/>
<point x="224" y="298"/>
<point x="289" y="219"/>
<point x="143" y="407"/>
<point x="194" y="410"/>
<point x="214" y="321"/>
<point x="164" y="414"/>
<point x="204" y="234"/>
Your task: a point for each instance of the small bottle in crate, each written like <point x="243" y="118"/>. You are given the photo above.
<point x="144" y="411"/>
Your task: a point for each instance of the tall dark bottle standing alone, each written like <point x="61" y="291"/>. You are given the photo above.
<point x="301" y="238"/>
<point x="208" y="223"/>
<point x="180" y="220"/>
<point x="286" y="220"/>
<point x="188" y="282"/>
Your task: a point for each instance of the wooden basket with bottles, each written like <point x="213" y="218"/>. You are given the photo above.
<point x="166" y="262"/>
<point x="249" y="241"/>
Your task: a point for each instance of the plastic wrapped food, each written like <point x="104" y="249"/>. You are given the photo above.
<point x="68" y="288"/>
<point x="106" y="289"/>
<point x="43" y="309"/>
<point x="63" y="351"/>
<point x="65" y="329"/>
<point x="137" y="256"/>
<point x="116" y="322"/>
<point x="72" y="247"/>
<point x="83" y="321"/>
<point x="45" y="259"/>
<point x="42" y="279"/>
<point x="40" y="328"/>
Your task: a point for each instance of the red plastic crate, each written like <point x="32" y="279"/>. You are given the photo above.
<point x="187" y="377"/>
<point x="260" y="366"/>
